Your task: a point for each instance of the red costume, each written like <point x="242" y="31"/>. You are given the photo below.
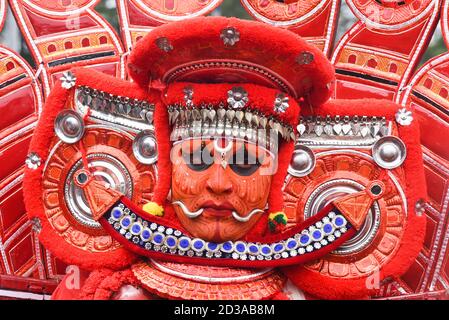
<point x="223" y="168"/>
<point x="234" y="90"/>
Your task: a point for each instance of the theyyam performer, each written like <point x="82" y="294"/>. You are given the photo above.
<point x="219" y="125"/>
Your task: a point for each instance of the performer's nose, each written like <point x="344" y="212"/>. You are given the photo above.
<point x="218" y="181"/>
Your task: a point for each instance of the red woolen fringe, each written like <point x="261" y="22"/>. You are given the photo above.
<point x="162" y="132"/>
<point x="102" y="284"/>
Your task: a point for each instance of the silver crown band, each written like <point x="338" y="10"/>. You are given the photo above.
<point x="205" y="121"/>
<point x="104" y="106"/>
<point x="356" y="130"/>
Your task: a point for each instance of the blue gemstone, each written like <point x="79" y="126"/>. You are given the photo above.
<point x="117" y="213"/>
<point x="136" y="228"/>
<point x="146" y="234"/>
<point x="240" y="247"/>
<point x="227" y="246"/>
<point x="158" y="238"/>
<point x="253" y="249"/>
<point x="278" y="247"/>
<point x="184" y="243"/>
<point x="198" y="245"/>
<point x="291" y="244"/>
<point x="316" y="234"/>
<point x="171" y="242"/>
<point x="212" y="246"/>
<point x="126" y="222"/>
<point x="327" y="228"/>
<point x="266" y="250"/>
<point x="339" y="221"/>
<point x="304" y="239"/>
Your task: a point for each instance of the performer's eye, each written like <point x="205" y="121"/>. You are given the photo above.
<point x="198" y="160"/>
<point x="244" y="163"/>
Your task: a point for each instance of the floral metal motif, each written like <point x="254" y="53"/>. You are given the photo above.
<point x="36" y="225"/>
<point x="237" y="98"/>
<point x="164" y="44"/>
<point x="420" y="207"/>
<point x="305" y="57"/>
<point x="33" y="161"/>
<point x="188" y="96"/>
<point x="281" y="103"/>
<point x="68" y="80"/>
<point x="404" y="117"/>
<point x="230" y="36"/>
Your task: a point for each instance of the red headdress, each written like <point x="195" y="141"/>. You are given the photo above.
<point x="253" y="76"/>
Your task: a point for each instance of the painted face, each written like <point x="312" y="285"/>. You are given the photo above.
<point x="220" y="187"/>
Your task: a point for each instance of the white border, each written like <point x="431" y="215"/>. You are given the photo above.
<point x="262" y="18"/>
<point x="404" y="24"/>
<point x="60" y="13"/>
<point x="166" y="17"/>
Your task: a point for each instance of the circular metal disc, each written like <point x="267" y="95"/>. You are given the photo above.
<point x="303" y="161"/>
<point x="389" y="152"/>
<point x="69" y="126"/>
<point x="145" y="147"/>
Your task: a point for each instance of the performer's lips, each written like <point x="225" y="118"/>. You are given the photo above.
<point x="222" y="209"/>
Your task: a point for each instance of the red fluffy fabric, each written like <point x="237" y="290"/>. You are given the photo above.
<point x="259" y="98"/>
<point x="162" y="132"/>
<point x="102" y="284"/>
<point x="413" y="236"/>
<point x="41" y="142"/>
<point x="261" y="45"/>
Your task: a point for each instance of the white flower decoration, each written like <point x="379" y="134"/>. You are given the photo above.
<point x="33" y="161"/>
<point x="68" y="80"/>
<point x="281" y="103"/>
<point x="230" y="36"/>
<point x="188" y="96"/>
<point x="237" y="98"/>
<point x="404" y="117"/>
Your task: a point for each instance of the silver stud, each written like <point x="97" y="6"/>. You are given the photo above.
<point x="420" y="207"/>
<point x="389" y="152"/>
<point x="230" y="36"/>
<point x="237" y="98"/>
<point x="281" y="103"/>
<point x="211" y="115"/>
<point x="239" y="116"/>
<point x="68" y="80"/>
<point x="145" y="147"/>
<point x="221" y="114"/>
<point x="164" y="44"/>
<point x="33" y="161"/>
<point x="36" y="225"/>
<point x="69" y="126"/>
<point x="304" y="58"/>
<point x="230" y="114"/>
<point x="404" y="117"/>
<point x="303" y="161"/>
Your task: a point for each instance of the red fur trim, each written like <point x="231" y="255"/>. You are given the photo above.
<point x="162" y="132"/>
<point x="276" y="199"/>
<point x="32" y="184"/>
<point x="259" y="98"/>
<point x="198" y="40"/>
<point x="103" y="284"/>
<point x="413" y="237"/>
